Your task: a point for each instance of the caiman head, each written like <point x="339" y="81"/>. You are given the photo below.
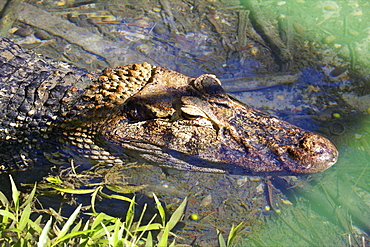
<point x="192" y="124"/>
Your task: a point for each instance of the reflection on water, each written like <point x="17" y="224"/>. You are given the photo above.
<point x="327" y="39"/>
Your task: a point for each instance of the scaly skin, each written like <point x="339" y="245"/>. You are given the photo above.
<point x="52" y="111"/>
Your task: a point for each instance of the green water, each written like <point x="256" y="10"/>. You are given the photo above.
<point x="334" y="209"/>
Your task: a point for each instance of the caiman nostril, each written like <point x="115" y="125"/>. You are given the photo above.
<point x="313" y="154"/>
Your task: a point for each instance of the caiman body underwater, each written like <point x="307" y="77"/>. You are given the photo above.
<point x="51" y="111"/>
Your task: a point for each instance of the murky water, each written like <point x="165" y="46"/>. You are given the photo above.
<point x="327" y="92"/>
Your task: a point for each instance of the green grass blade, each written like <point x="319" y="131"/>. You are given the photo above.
<point x="25" y="217"/>
<point x="15" y="195"/>
<point x="154" y="226"/>
<point x="29" y="197"/>
<point x="54" y="180"/>
<point x="176" y="216"/>
<point x="71" y="235"/>
<point x="149" y="240"/>
<point x="77" y="226"/>
<point x="173" y="243"/>
<point x="8" y="214"/>
<point x="44" y="234"/>
<point x="121" y="230"/>
<point x="35" y="226"/>
<point x="98" y="219"/>
<point x="127" y="189"/>
<point x="138" y="223"/>
<point x="113" y="196"/>
<point x="160" y="209"/>
<point x="93" y="198"/>
<point x="14" y="230"/>
<point x="73" y="191"/>
<point x="115" y="234"/>
<point x="107" y="234"/>
<point x="85" y="239"/>
<point x="130" y="214"/>
<point x="3" y="199"/>
<point x="146" y="229"/>
<point x="69" y="222"/>
<point x="232" y="233"/>
<point x="221" y="240"/>
<point x="164" y="237"/>
<point x="38" y="220"/>
<point x="86" y="226"/>
<point x="101" y="231"/>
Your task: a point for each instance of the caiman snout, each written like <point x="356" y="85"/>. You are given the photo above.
<point x="313" y="154"/>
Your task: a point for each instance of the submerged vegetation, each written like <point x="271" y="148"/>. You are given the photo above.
<point x="18" y="228"/>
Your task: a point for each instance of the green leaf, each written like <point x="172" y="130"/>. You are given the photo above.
<point x="93" y="198"/>
<point x="77" y="226"/>
<point x="149" y="240"/>
<point x="68" y="224"/>
<point x="232" y="233"/>
<point x="173" y="243"/>
<point x="126" y="189"/>
<point x="44" y="234"/>
<point x="3" y="199"/>
<point x="176" y="216"/>
<point x="164" y="237"/>
<point x="15" y="195"/>
<point x="138" y="223"/>
<point x="73" y="191"/>
<point x="221" y="240"/>
<point x="85" y="239"/>
<point x="119" y="197"/>
<point x="99" y="218"/>
<point x="160" y="209"/>
<point x="154" y="226"/>
<point x="38" y="220"/>
<point x="71" y="235"/>
<point x="29" y="197"/>
<point x="13" y="230"/>
<point x="121" y="230"/>
<point x="130" y="214"/>
<point x="145" y="229"/>
<point x="35" y="226"/>
<point x="107" y="233"/>
<point x="54" y="180"/>
<point x="8" y="214"/>
<point x="115" y="233"/>
<point x="25" y="217"/>
<point x="100" y="232"/>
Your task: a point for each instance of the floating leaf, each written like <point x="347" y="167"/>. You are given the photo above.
<point x="73" y="191"/>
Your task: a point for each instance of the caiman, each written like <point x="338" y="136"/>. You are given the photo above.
<point x="52" y="111"/>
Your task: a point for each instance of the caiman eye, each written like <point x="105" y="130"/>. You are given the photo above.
<point x="138" y="112"/>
